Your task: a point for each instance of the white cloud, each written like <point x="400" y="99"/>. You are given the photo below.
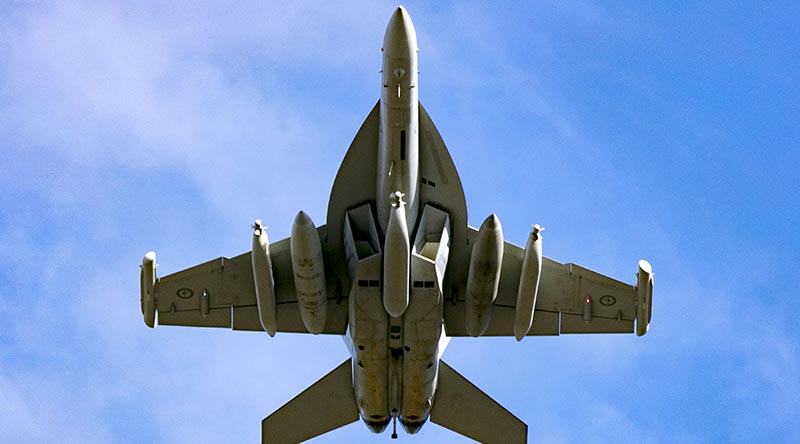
<point x="16" y="412"/>
<point x="99" y="85"/>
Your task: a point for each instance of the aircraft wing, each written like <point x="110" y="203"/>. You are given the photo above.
<point x="561" y="304"/>
<point x="221" y="293"/>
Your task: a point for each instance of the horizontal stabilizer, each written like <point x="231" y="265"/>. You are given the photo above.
<point x="327" y="405"/>
<point x="463" y="408"/>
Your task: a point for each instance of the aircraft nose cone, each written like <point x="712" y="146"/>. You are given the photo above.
<point x="400" y="39"/>
<point x="400" y="13"/>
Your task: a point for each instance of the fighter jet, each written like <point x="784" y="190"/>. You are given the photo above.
<point x="396" y="271"/>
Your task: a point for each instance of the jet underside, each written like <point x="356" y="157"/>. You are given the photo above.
<point x="396" y="270"/>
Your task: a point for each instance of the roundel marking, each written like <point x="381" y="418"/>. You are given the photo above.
<point x="608" y="300"/>
<point x="184" y="293"/>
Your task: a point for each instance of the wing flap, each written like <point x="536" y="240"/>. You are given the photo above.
<point x="571" y="323"/>
<point x="245" y="318"/>
<point x="545" y="323"/>
<point x="217" y="317"/>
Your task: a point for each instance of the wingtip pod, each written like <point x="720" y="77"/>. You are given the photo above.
<point x="644" y="297"/>
<point x="148" y="284"/>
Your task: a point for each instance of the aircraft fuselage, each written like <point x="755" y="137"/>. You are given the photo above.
<point x="395" y="344"/>
<point x="398" y="143"/>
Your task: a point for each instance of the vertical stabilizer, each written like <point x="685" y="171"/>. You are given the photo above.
<point x="463" y="408"/>
<point x="325" y="406"/>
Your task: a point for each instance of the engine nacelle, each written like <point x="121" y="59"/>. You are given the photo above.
<point x="644" y="297"/>
<point x="528" y="284"/>
<point x="148" y="285"/>
<point x="264" y="282"/>
<point x="308" y="268"/>
<point x="484" y="275"/>
<point x="368" y="326"/>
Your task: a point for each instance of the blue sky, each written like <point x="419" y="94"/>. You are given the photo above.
<point x="629" y="129"/>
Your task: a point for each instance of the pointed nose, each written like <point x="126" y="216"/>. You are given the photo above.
<point x="400" y="39"/>
<point x="302" y="219"/>
<point x="492" y="222"/>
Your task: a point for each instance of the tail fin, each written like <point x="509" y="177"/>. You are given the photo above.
<point x="463" y="408"/>
<point x="327" y="405"/>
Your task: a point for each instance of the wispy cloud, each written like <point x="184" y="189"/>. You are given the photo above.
<point x="146" y="88"/>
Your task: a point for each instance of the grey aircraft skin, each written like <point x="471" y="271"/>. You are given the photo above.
<point x="396" y="271"/>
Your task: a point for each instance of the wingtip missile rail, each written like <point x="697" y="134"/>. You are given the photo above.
<point x="644" y="297"/>
<point x="148" y="284"/>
